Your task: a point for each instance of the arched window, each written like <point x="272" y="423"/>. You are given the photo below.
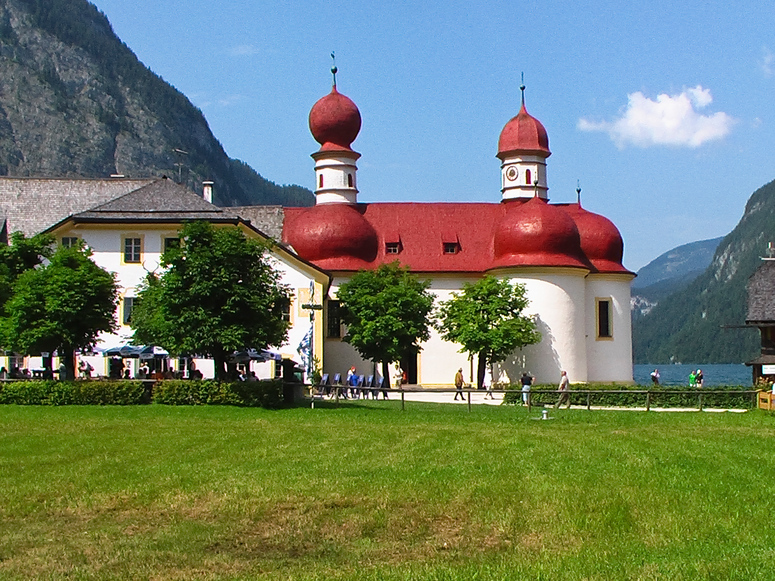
<point x="528" y="181"/>
<point x="349" y="180"/>
<point x="320" y="181"/>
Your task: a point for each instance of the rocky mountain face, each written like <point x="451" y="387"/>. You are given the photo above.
<point x="75" y="101"/>
<point x="669" y="273"/>
<point x="703" y="322"/>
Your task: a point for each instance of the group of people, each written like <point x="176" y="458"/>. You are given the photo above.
<point x="696" y="378"/>
<point x="526" y="381"/>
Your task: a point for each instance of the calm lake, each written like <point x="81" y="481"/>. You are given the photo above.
<point x="726" y="374"/>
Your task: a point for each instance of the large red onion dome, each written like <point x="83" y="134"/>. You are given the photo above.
<point x="536" y="233"/>
<point x="334" y="121"/>
<point x="331" y="231"/>
<point x="601" y="241"/>
<point x="523" y="133"/>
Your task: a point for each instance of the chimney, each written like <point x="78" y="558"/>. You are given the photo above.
<point x="207" y="191"/>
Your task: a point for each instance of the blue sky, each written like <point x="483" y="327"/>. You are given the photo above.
<point x="664" y="112"/>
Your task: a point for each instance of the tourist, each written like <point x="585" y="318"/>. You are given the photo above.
<point x="655" y="377"/>
<point x="699" y="378"/>
<point x="563" y="389"/>
<point x="526" y="380"/>
<point x="487" y="382"/>
<point x="692" y="379"/>
<point x="459" y="384"/>
<point x="399" y="376"/>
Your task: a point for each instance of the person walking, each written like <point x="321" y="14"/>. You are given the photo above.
<point x="459" y="384"/>
<point x="699" y="378"/>
<point x="563" y="389"/>
<point x="655" y="377"/>
<point x="526" y="380"/>
<point x="487" y="382"/>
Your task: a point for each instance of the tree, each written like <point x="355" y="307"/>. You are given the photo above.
<point x="387" y="312"/>
<point x="63" y="305"/>
<point x="21" y="255"/>
<point x="486" y="318"/>
<point x="218" y="294"/>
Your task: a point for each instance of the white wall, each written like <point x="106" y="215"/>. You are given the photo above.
<point x="609" y="360"/>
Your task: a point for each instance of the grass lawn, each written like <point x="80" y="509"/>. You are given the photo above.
<point x="366" y="491"/>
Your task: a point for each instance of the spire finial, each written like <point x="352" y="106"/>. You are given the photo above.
<point x="578" y="192"/>
<point x="522" y="88"/>
<point x="333" y="68"/>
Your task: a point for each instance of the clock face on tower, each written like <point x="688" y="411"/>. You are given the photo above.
<point x="511" y="173"/>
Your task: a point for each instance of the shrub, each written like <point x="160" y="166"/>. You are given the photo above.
<point x="73" y="393"/>
<point x="267" y="394"/>
<point x="663" y="397"/>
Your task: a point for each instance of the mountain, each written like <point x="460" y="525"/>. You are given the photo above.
<point x="76" y="101"/>
<point x="670" y="272"/>
<point x="703" y="322"/>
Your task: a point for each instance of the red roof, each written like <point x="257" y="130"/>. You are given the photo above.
<point x="523" y="133"/>
<point x="335" y="121"/>
<point x="438" y="237"/>
<point x="601" y="241"/>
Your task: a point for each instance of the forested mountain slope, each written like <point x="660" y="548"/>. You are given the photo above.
<point x="75" y="101"/>
<point x="689" y="325"/>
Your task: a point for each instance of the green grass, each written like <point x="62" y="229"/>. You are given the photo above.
<point x="366" y="491"/>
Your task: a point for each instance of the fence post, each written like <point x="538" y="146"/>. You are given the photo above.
<point x="700" y="398"/>
<point x="589" y="395"/>
<point x="529" y="401"/>
<point x="402" y="399"/>
<point x="469" y="400"/>
<point x="648" y="400"/>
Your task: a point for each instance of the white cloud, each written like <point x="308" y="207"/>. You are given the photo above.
<point x="244" y="50"/>
<point x="670" y="120"/>
<point x="768" y="62"/>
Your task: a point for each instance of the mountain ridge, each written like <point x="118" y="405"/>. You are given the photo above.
<point x="76" y="102"/>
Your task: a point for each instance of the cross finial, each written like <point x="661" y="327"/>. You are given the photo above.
<point x="333" y="68"/>
<point x="522" y="88"/>
<point x="578" y="192"/>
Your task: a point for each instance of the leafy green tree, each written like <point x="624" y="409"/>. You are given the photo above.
<point x="387" y="312"/>
<point x="218" y="294"/>
<point x="63" y="305"/>
<point x="486" y="318"/>
<point x="21" y="255"/>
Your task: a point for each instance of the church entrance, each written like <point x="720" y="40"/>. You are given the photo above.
<point x="409" y="365"/>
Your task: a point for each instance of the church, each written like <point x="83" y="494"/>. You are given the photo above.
<point x="569" y="259"/>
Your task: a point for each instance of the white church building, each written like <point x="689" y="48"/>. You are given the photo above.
<point x="569" y="259"/>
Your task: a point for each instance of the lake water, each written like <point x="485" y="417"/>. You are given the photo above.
<point x="726" y="374"/>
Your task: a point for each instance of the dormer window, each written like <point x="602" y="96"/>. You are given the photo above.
<point x="450" y="243"/>
<point x="392" y="243"/>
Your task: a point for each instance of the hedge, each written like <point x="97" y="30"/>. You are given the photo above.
<point x="267" y="394"/>
<point x="683" y="397"/>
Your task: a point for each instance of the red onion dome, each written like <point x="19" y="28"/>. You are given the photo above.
<point x="601" y="241"/>
<point x="329" y="231"/>
<point x="535" y="233"/>
<point x="334" y="121"/>
<point x="523" y="133"/>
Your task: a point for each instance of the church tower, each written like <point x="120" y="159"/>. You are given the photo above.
<point x="523" y="148"/>
<point x="335" y="123"/>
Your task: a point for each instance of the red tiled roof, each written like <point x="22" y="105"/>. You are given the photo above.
<point x="523" y="133"/>
<point x="333" y="237"/>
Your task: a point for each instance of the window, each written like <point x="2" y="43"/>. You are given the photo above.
<point x="286" y="311"/>
<point x="320" y="181"/>
<point x="528" y="181"/>
<point x="334" y="324"/>
<point x="132" y="250"/>
<point x="392" y="248"/>
<point x="170" y="243"/>
<point x="451" y="247"/>
<point x="349" y="180"/>
<point x="604" y="322"/>
<point x="69" y="241"/>
<point x="126" y="315"/>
